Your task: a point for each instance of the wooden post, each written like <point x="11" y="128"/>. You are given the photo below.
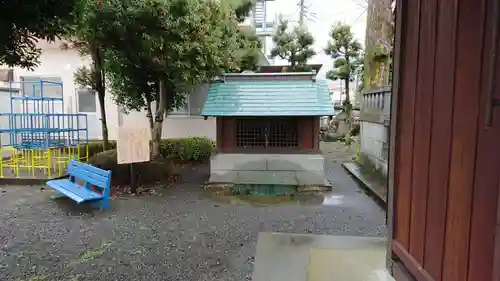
<point x="133" y="180"/>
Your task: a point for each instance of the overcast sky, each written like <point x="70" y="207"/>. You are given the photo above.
<point x="323" y="14"/>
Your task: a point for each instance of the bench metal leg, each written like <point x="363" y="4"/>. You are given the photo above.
<point x="104" y="203"/>
<point x="107" y="195"/>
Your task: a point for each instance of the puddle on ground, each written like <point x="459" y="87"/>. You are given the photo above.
<point x="333" y="199"/>
<point x="316" y="198"/>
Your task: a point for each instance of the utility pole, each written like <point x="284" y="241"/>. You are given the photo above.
<point x="302" y="12"/>
<point x="357" y="93"/>
<point x="305" y="13"/>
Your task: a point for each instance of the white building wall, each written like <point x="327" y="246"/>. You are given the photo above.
<point x="4" y="108"/>
<point x="55" y="62"/>
<point x="174" y="126"/>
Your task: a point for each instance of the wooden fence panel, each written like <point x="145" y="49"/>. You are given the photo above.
<point x="422" y="130"/>
<point x="463" y="149"/>
<point x="409" y="61"/>
<point x="486" y="182"/>
<point x="439" y="162"/>
<point x="446" y="173"/>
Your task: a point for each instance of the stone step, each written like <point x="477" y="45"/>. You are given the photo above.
<point x="347" y="265"/>
<point x="308" y="257"/>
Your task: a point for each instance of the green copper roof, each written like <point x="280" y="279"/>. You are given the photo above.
<point x="268" y="98"/>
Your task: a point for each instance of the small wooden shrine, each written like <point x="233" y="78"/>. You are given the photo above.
<point x="268" y="128"/>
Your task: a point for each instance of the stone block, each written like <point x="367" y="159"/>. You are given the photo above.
<point x="222" y="176"/>
<point x="248" y="162"/>
<point x="266" y="177"/>
<point x="318" y="257"/>
<point x="296" y="162"/>
<point x="310" y="178"/>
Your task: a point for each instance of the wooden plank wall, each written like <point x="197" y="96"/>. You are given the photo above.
<point x="447" y="160"/>
<point x="308" y="136"/>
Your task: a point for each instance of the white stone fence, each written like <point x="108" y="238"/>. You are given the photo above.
<point x="376" y="106"/>
<point x="374" y="133"/>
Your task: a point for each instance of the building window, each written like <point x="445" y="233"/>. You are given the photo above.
<point x="86" y="101"/>
<point x="267" y="133"/>
<point x="34" y="86"/>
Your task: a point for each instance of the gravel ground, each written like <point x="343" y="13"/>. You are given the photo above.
<point x="176" y="234"/>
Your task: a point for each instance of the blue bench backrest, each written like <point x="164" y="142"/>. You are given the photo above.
<point x="90" y="175"/>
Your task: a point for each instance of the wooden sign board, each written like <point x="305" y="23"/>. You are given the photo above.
<point x="133" y="145"/>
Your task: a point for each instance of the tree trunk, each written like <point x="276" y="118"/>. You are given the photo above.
<point x="347" y="93"/>
<point x="157" y="103"/>
<point x="149" y="113"/>
<point x="98" y="62"/>
<point x="161" y="105"/>
<point x="347" y="106"/>
<point x="293" y="62"/>
<point x="104" y="124"/>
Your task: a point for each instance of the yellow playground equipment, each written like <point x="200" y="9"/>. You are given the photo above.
<point x="50" y="163"/>
<point x="36" y="140"/>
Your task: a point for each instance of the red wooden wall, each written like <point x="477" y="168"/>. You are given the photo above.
<point x="446" y="155"/>
<point x="308" y="136"/>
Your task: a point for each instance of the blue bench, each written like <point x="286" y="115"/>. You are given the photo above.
<point x="86" y="183"/>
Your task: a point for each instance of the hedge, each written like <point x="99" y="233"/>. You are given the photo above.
<point x="146" y="172"/>
<point x="193" y="149"/>
<point x="96" y="147"/>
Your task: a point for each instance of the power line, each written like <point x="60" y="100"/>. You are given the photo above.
<point x="305" y="13"/>
<point x="359" y="17"/>
<point x="364" y="5"/>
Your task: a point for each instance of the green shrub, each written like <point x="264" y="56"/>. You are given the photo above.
<point x="105" y="159"/>
<point x="194" y="149"/>
<point x="96" y="147"/>
<point x="146" y="172"/>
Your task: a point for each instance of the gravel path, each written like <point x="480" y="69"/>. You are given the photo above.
<point x="178" y="234"/>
